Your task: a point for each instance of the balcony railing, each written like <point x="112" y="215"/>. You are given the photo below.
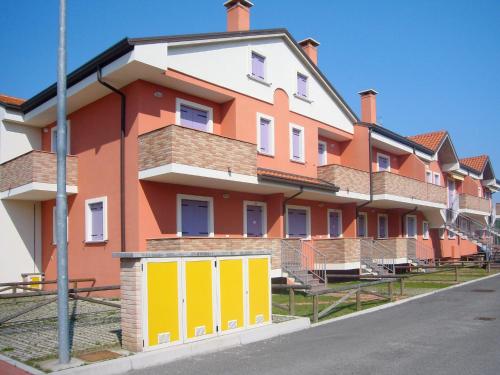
<point x="34" y="176"/>
<point x="347" y="179"/>
<point x="394" y="184"/>
<point x="179" y="145"/>
<point x="339" y="250"/>
<point x="470" y="202"/>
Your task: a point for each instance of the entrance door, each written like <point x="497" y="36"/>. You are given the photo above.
<point x="254" y="221"/>
<point x="297" y="223"/>
<point x="452" y="193"/>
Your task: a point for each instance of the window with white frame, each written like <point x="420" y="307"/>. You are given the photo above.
<point x="96" y="220"/>
<point x="195" y="216"/>
<point x="334" y="223"/>
<point x="362" y="224"/>
<point x="258" y="66"/>
<point x="298" y="221"/>
<point x="297" y="143"/>
<point x="383" y="162"/>
<point x="441" y="233"/>
<point x="53" y="138"/>
<point x="265" y="134"/>
<point x="322" y="153"/>
<point x="479" y="192"/>
<point x="451" y="235"/>
<point x="425" y="230"/>
<point x="428" y="177"/>
<point x="302" y="86"/>
<point x="193" y="115"/>
<point x="254" y="219"/>
<point x="411" y="226"/>
<point x="383" y="226"/>
<point x="437" y="179"/>
<point x="54" y="227"/>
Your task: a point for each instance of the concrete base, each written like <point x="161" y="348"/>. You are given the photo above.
<point x="53" y="365"/>
<point x="161" y="356"/>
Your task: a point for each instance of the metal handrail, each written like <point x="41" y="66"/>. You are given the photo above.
<point x="368" y="256"/>
<point x="424" y="255"/>
<point x="318" y="259"/>
<point x="293" y="259"/>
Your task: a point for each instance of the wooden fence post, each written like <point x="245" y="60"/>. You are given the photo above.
<point x="456" y="273"/>
<point x="315" y="308"/>
<point x="389" y="289"/>
<point x="358" y="299"/>
<point x="291" y="301"/>
<point x="402" y="286"/>
<point x="488" y="267"/>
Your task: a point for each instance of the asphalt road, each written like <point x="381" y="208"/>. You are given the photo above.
<point x="438" y="334"/>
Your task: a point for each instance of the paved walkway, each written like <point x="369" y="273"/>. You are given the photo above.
<point x="453" y="332"/>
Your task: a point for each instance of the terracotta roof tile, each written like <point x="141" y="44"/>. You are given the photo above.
<point x="429" y="140"/>
<point x="10" y="99"/>
<point x="476" y="163"/>
<point x="294" y="178"/>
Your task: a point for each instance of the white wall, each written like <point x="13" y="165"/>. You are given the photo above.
<point x="20" y="239"/>
<point x="228" y="63"/>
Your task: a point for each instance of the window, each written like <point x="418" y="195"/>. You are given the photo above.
<point x="54" y="234"/>
<point x="96" y="218"/>
<point x="297" y="143"/>
<point x="297" y="222"/>
<point x="302" y="86"/>
<point x="451" y="235"/>
<point x="254" y="219"/>
<point x="441" y="233"/>
<point x="265" y="134"/>
<point x="53" y="138"/>
<point x="334" y="223"/>
<point x="411" y="226"/>
<point x="193" y="115"/>
<point x="383" y="231"/>
<point x="479" y="192"/>
<point x="258" y="66"/>
<point x="322" y="156"/>
<point x="383" y="163"/>
<point x="425" y="230"/>
<point x="195" y="217"/>
<point x="437" y="179"/>
<point x="362" y="224"/>
<point x="428" y="177"/>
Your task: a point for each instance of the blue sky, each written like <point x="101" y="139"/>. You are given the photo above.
<point x="434" y="63"/>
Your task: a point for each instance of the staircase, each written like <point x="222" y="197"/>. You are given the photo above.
<point x="480" y="234"/>
<point x="420" y="254"/>
<point x="374" y="258"/>
<point x="304" y="263"/>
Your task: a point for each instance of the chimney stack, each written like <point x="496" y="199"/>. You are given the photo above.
<point x="238" y="15"/>
<point x="368" y="106"/>
<point x="310" y="47"/>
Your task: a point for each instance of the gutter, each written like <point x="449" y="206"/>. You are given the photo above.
<point x="122" y="154"/>
<point x="370" y="170"/>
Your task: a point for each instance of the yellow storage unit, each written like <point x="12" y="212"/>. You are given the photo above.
<point x="163" y="307"/>
<point x="259" y="291"/>
<point x="199" y="298"/>
<point x="231" y="293"/>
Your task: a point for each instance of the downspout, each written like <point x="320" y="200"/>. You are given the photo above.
<point x="284" y="207"/>
<point x="370" y="171"/>
<point x="122" y="155"/>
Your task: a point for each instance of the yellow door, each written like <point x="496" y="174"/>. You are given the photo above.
<point x="231" y="294"/>
<point x="258" y="291"/>
<point x="163" y="303"/>
<point x="199" y="306"/>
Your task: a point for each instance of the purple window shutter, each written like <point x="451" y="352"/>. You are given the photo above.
<point x="194" y="218"/>
<point x="265" y="130"/>
<point x="194" y="118"/>
<point x="383" y="163"/>
<point x="361" y="226"/>
<point x="334" y="224"/>
<point x="296" y="152"/>
<point x="258" y="65"/>
<point x="97" y="215"/>
<point x="302" y="85"/>
<point x="254" y="221"/>
<point x="321" y="154"/>
<point x="297" y="223"/>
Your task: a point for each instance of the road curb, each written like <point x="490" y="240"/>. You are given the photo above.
<point x="20" y="365"/>
<point x="396" y="303"/>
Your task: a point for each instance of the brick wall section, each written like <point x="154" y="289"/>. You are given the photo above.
<point x="273" y="245"/>
<point x="398" y="247"/>
<point x="390" y="183"/>
<point x="131" y="308"/>
<point x="474" y="203"/>
<point x="339" y="250"/>
<point x="348" y="179"/>
<point x="35" y="166"/>
<point x="177" y="144"/>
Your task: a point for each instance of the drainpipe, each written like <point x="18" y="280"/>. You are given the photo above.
<point x="284" y="207"/>
<point x="370" y="171"/>
<point x="122" y="155"/>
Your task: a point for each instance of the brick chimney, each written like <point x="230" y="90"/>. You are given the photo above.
<point x="310" y="47"/>
<point x="238" y="15"/>
<point x="368" y="106"/>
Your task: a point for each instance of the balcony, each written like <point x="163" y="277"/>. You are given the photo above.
<point x="176" y="154"/>
<point x="474" y="204"/>
<point x="349" y="180"/>
<point x="388" y="186"/>
<point x="32" y="176"/>
<point x="341" y="253"/>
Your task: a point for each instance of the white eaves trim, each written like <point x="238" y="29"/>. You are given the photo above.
<point x="36" y="186"/>
<point x="473" y="212"/>
<point x="392" y="143"/>
<point x="424" y="156"/>
<point x="397" y="198"/>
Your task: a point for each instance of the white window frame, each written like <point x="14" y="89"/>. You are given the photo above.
<point x="264" y="217"/>
<point x="88" y="219"/>
<point x="451" y="235"/>
<point x="438" y="179"/>
<point x="54" y="234"/>
<point x="250" y="75"/>
<point x="302" y="142"/>
<point x="308" y="219"/>
<point x="479" y="192"/>
<point x="442" y="232"/>
<point x="209" y="110"/>
<point x="210" y="201"/>
<point x="365" y="214"/>
<point x="271" y="138"/>
<point x="429" y="177"/>
<point x="406" y="226"/>
<point x="325" y="155"/>
<point x="53" y="131"/>
<point x="341" y="229"/>
<point x="425" y="235"/>
<point x="379" y="154"/>
<point x="386" y="228"/>
<point x="306" y="98"/>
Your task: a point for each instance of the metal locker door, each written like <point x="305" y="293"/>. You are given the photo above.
<point x="162" y="307"/>
<point x="259" y="290"/>
<point x="231" y="294"/>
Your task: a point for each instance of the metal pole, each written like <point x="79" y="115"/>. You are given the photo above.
<point x="61" y="200"/>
